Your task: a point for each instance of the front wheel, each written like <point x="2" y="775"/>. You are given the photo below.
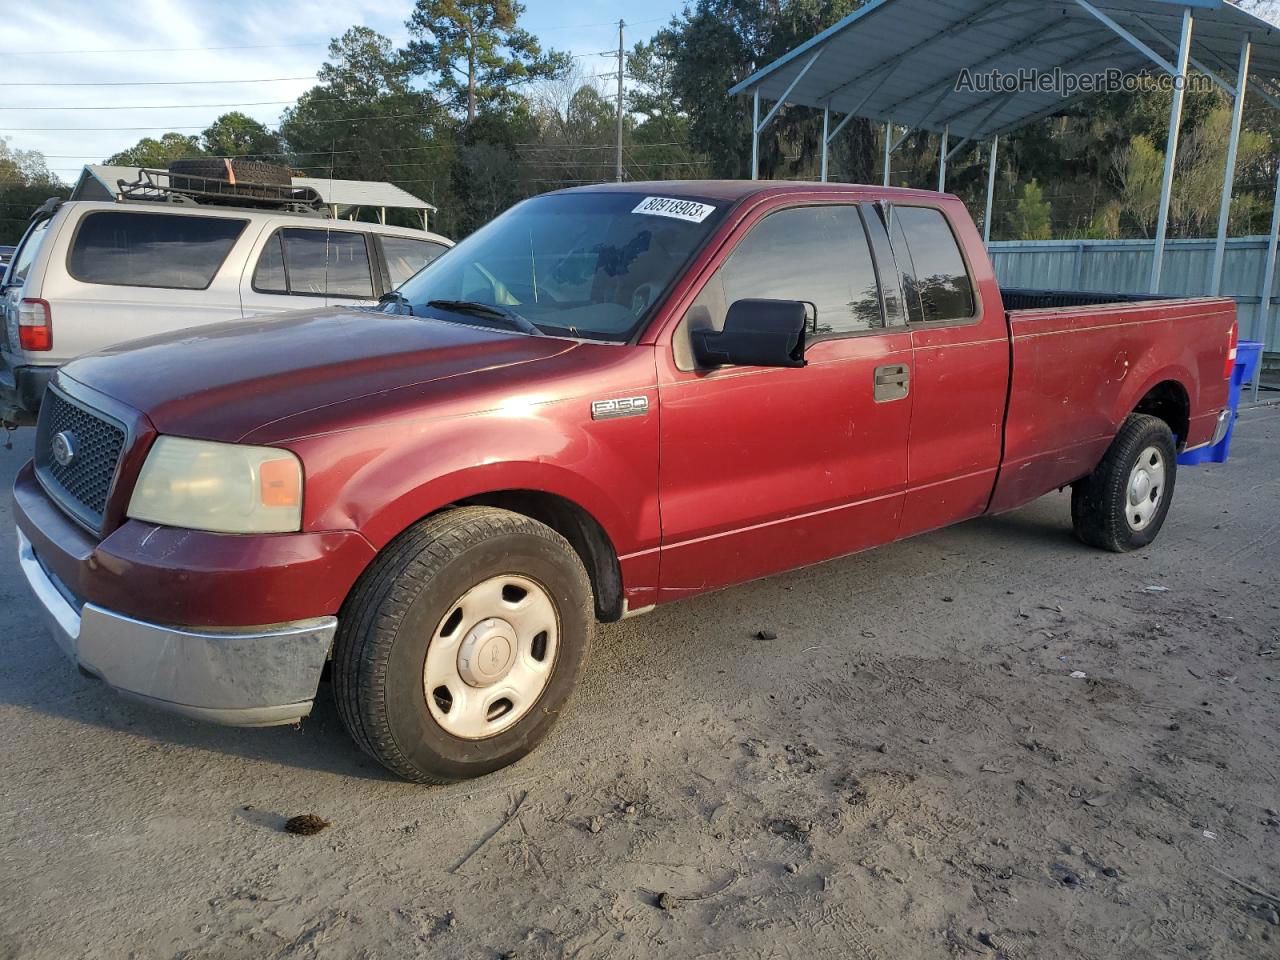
<point x="459" y="648"/>
<point x="1122" y="505"/>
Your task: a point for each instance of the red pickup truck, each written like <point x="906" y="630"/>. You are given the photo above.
<point x="606" y="399"/>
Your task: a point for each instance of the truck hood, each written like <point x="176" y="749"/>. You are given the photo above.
<point x="224" y="381"/>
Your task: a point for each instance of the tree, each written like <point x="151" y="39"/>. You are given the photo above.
<point x="237" y="135"/>
<point x="715" y="44"/>
<point x="1140" y="170"/>
<point x="23" y="167"/>
<point x="1030" y="218"/>
<point x="659" y="143"/>
<point x="150" y="152"/>
<point x="25" y="183"/>
<point x="363" y="121"/>
<point x="477" y="52"/>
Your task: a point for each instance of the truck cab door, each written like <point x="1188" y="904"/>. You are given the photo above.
<point x="767" y="469"/>
<point x="960" y="348"/>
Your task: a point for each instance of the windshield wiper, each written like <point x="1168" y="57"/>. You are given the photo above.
<point x="401" y="302"/>
<point x="476" y="308"/>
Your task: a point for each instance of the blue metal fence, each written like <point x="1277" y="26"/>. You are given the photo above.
<point x="1124" y="266"/>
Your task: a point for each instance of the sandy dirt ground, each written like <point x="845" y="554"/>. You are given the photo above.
<point x="908" y="770"/>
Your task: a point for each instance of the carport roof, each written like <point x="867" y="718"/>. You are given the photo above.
<point x="100" y="178"/>
<point x="899" y="60"/>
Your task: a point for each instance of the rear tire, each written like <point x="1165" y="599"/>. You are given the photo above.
<point x="458" y="649"/>
<point x="1122" y="505"/>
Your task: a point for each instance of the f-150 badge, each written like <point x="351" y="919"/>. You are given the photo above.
<point x="623" y="407"/>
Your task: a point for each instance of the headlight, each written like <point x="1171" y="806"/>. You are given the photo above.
<point x="221" y="487"/>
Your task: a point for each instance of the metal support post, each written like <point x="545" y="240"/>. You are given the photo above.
<point x="755" y="134"/>
<point x="888" y="150"/>
<point x="1171" y="150"/>
<point x="1268" y="283"/>
<point x="826" y="124"/>
<point x="1229" y="180"/>
<point x="942" y="160"/>
<point x="991" y="189"/>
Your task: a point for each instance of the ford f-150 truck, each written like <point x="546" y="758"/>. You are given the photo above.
<point x="606" y="399"/>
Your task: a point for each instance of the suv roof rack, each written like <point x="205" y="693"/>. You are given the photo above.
<point x="162" y="186"/>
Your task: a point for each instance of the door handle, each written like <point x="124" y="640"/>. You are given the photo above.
<point x="892" y="382"/>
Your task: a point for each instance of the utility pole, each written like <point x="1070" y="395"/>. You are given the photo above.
<point x="618" y="170"/>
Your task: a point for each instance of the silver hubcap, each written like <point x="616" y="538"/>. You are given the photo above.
<point x="1146" y="488"/>
<point x="491" y="657"/>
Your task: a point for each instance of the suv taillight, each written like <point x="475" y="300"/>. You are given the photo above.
<point x="35" y="325"/>
<point x="1233" y="347"/>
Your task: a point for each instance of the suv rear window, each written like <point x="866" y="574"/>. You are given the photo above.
<point x="317" y="263"/>
<point x="127" y="249"/>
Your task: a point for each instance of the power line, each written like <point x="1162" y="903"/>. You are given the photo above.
<point x="172" y="106"/>
<point x="520" y="147"/>
<point x="610" y="23"/>
<point x="249" y="46"/>
<point x="592" y="146"/>
<point x="174" y="129"/>
<point x="148" y="83"/>
<point x="197" y="106"/>
<point x="277" y="46"/>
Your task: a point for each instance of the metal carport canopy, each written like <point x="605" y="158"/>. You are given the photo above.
<point x="899" y="60"/>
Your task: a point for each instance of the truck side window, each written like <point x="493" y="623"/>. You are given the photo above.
<point x="935" y="279"/>
<point x="312" y="262"/>
<point x="818" y="254"/>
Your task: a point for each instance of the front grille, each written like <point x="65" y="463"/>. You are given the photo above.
<point x="83" y="484"/>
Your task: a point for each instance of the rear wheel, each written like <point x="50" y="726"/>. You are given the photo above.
<point x="459" y="648"/>
<point x="1122" y="505"/>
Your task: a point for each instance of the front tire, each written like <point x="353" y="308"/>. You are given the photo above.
<point x="1122" y="505"/>
<point x="459" y="648"/>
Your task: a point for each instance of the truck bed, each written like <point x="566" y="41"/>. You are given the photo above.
<point x="1022" y="298"/>
<point x="1081" y="362"/>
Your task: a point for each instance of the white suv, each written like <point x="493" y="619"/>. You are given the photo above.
<point x="90" y="274"/>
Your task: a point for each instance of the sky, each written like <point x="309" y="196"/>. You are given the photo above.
<point x="115" y="60"/>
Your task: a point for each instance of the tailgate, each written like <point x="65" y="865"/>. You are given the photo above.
<point x="1078" y="371"/>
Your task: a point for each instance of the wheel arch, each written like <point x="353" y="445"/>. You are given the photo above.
<point x="1169" y="401"/>
<point x="576" y="524"/>
<point x="564" y="513"/>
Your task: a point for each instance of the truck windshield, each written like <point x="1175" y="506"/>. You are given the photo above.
<point x="588" y="265"/>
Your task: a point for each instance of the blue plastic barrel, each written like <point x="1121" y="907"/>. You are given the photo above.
<point x="1248" y="356"/>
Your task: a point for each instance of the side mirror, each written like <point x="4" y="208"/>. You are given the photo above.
<point x="757" y="333"/>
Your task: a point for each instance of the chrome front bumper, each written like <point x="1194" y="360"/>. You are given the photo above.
<point x="250" y="678"/>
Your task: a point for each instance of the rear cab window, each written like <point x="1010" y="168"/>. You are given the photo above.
<point x="310" y="262"/>
<point x="405" y="256"/>
<point x="132" y="249"/>
<point x="935" y="278"/>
